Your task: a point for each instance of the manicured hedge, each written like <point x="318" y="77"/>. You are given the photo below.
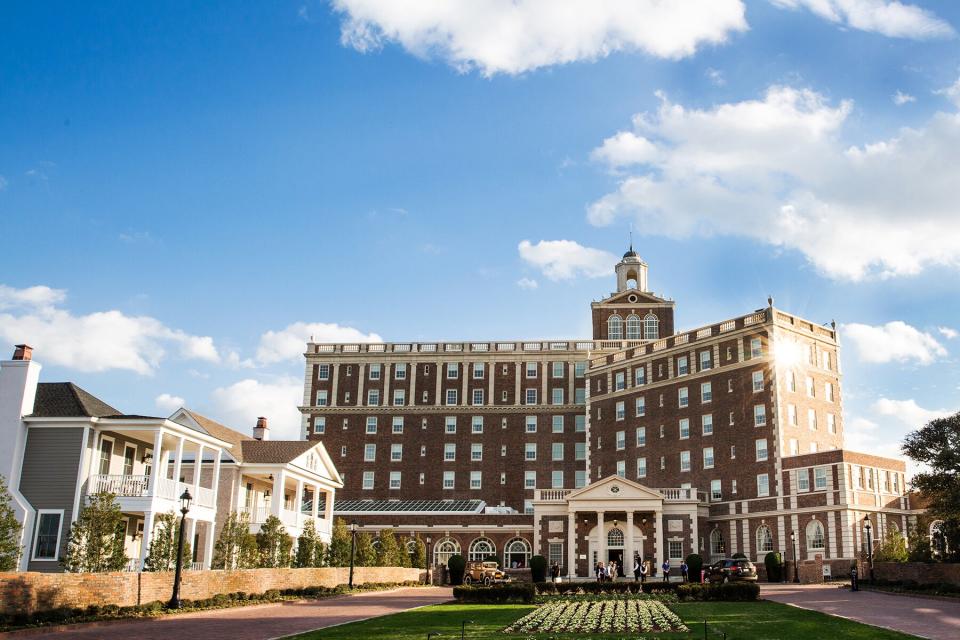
<point x="457" y="565"/>
<point x="495" y="594"/>
<point x="726" y="592"/>
<point x="730" y="592"/>
<point x="538" y="568"/>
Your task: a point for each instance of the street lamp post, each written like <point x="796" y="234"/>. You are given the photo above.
<point x="796" y="557"/>
<point x="429" y="563"/>
<point x="353" y="549"/>
<point x="184" y="509"/>
<point x="463" y="627"/>
<point x="866" y="525"/>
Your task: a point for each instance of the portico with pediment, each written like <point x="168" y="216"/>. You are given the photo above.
<point x="616" y="519"/>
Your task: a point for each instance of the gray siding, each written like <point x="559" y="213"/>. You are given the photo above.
<point x="49" y="478"/>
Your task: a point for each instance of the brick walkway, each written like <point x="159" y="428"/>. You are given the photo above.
<point x="259" y="622"/>
<point x="924" y="617"/>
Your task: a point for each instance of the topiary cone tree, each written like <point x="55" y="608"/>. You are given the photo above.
<point x="538" y="568"/>
<point x="456" y="565"/>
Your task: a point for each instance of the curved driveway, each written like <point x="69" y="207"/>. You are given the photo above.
<point x="257" y="622"/>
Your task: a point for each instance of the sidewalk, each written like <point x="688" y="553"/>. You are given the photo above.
<point x="259" y="622"/>
<point x="933" y="619"/>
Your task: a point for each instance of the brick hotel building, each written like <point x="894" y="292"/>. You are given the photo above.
<point x="642" y="440"/>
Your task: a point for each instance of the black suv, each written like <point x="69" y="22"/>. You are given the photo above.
<point x="732" y="570"/>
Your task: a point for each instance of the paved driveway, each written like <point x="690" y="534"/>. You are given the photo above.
<point x="924" y="617"/>
<point x="255" y="622"/>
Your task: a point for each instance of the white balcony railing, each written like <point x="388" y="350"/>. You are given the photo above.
<point x="120" y="485"/>
<point x="673" y="493"/>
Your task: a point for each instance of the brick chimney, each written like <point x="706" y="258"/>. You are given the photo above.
<point x="23" y="352"/>
<point x="261" y="431"/>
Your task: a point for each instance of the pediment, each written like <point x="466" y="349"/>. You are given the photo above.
<point x="614" y="488"/>
<point x="633" y="296"/>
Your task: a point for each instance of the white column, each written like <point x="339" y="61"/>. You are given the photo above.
<point x="218" y="453"/>
<point x="147" y="536"/>
<point x="191" y="537"/>
<point x="695" y="532"/>
<point x="208" y="552"/>
<point x="516" y="384"/>
<point x="412" y="373"/>
<point x="178" y="460"/>
<point x="298" y="501"/>
<point x="464" y="375"/>
<point x="628" y="545"/>
<point x="315" y="502"/>
<point x="490" y="370"/>
<point x="360" y="380"/>
<point x="571" y="545"/>
<point x="387" y="399"/>
<point x="328" y="507"/>
<point x="333" y="389"/>
<point x="197" y="469"/>
<point x="437" y="400"/>
<point x="277" y="504"/>
<point x="658" y="552"/>
<point x="155" y="463"/>
<point x="601" y="539"/>
<point x="544" y="374"/>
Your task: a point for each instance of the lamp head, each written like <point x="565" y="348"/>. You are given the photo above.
<point x="185" y="500"/>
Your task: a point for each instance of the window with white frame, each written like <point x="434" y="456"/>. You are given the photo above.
<point x="323" y="372"/>
<point x="761" y="445"/>
<point x="633" y="327"/>
<point x="556" y="450"/>
<point x="580" y="395"/>
<point x="684" y="428"/>
<point x="396" y="452"/>
<point x="815" y="536"/>
<point x="621" y="411"/>
<point x="423" y="450"/>
<point x="792" y="414"/>
<point x="529" y="479"/>
<point x="614" y="327"/>
<point x="46" y="539"/>
<point x="371" y="424"/>
<point x="757" y="381"/>
<point x="764" y="539"/>
<point x="476" y="424"/>
<point x="397" y="424"/>
<point x="708" y="457"/>
<point x="831" y="423"/>
<point x="476" y="451"/>
<point x="763" y="485"/>
<point x="820" y="478"/>
<point x="343" y="451"/>
<point x="400" y="371"/>
<point x="557" y="424"/>
<point x="716" y="490"/>
<point x="451" y="396"/>
<point x="531" y="369"/>
<point x="803" y="480"/>
<point x="811" y="387"/>
<point x="449" y="451"/>
<point x="622" y="468"/>
<point x="621" y="440"/>
<point x="684" y="461"/>
<point x="453" y="371"/>
<point x="580" y="423"/>
<point x="450" y="424"/>
<point x="448" y="479"/>
<point x="478" y="397"/>
<point x="683" y="366"/>
<point x="794" y="447"/>
<point x="555" y="554"/>
<point x="580" y="451"/>
<point x="812" y="419"/>
<point x="828" y="391"/>
<point x="733" y="486"/>
<point x="759" y="415"/>
<point x="531" y="396"/>
<point x="675" y="548"/>
<point x="528" y="507"/>
<point x="683" y="397"/>
<point x="478" y="369"/>
<point x="556" y="396"/>
<point x="706" y="360"/>
<point x="756" y="348"/>
<point x="556" y="369"/>
<point x="651" y="327"/>
<point x="531" y="424"/>
<point x="399" y="397"/>
<point x="373" y="397"/>
<point x="641" y="436"/>
<point x="706" y="392"/>
<point x="556" y="480"/>
<point x="619" y="381"/>
<point x="792" y="382"/>
<point x="733" y="452"/>
<point x="476" y="479"/>
<point x="374" y="372"/>
<point x="394" y="479"/>
<point x="706" y="421"/>
<point x="530" y="451"/>
<point x="319" y="425"/>
<point x="641" y="467"/>
<point x="367" y="480"/>
<point x="579" y="369"/>
<point x="322" y="398"/>
<point x="640" y="376"/>
<point x="369" y="452"/>
<point x="827" y="360"/>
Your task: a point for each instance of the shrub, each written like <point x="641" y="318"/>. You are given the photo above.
<point x="456" y="565"/>
<point x="538" y="568"/>
<point x="774" y="564"/>
<point x="694" y="565"/>
<point x="727" y="592"/>
<point x="495" y="594"/>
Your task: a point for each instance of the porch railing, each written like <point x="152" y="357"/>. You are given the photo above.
<point x="120" y="485"/>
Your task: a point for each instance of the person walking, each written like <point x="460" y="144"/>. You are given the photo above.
<point x="636" y="568"/>
<point x="555" y="572"/>
<point x="666" y="570"/>
<point x="684" y="572"/>
<point x="598" y="570"/>
<point x="643" y="572"/>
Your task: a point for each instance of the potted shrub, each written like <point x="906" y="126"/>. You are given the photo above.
<point x="456" y="566"/>
<point x="538" y="569"/>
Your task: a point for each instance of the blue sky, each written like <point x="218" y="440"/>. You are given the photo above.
<point x="187" y="191"/>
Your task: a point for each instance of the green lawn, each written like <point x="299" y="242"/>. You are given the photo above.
<point x="740" y="621"/>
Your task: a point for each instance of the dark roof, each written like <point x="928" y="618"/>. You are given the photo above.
<point x="274" y="451"/>
<point x="67" y="400"/>
<point x="631" y="254"/>
<point x="408" y="506"/>
<point x="222" y="432"/>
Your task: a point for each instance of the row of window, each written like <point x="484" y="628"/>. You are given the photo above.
<point x="682" y="367"/>
<point x="449" y="479"/>
<point x="476" y="451"/>
<point x="863" y="478"/>
<point x="478" y="370"/>
<point x="557" y="424"/>
<point x="815" y="538"/>
<point x="640" y="410"/>
<point x="683" y="395"/>
<point x="452" y="397"/>
<point x="650" y="327"/>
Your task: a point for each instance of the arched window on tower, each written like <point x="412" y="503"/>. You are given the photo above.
<point x="651" y="327"/>
<point x="633" y="327"/>
<point x="614" y="327"/>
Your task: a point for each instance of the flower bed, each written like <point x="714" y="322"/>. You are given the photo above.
<point x="614" y="615"/>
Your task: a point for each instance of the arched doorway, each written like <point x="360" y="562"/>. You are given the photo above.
<point x="516" y="554"/>
<point x="615" y="537"/>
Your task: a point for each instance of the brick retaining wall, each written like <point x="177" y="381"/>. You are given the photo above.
<point x="33" y="591"/>
<point x="919" y="572"/>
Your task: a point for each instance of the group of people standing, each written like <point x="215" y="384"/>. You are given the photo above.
<point x="608" y="572"/>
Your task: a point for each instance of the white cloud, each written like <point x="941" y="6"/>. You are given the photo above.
<point x="776" y="169"/>
<point x="716" y="77"/>
<point x="168" y="403"/>
<point x="893" y="342"/>
<point x="900" y="98"/>
<point x="527" y="283"/>
<point x="98" y="341"/>
<point x="241" y="403"/>
<point x="290" y="343"/>
<point x="566" y="259"/>
<point x="623" y="149"/>
<point x="948" y="333"/>
<point x="514" y="36"/>
<point x="886" y="17"/>
<point x="908" y="412"/>
<point x="951" y="93"/>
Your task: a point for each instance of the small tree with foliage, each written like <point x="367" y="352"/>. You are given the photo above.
<point x="366" y="554"/>
<point x="893" y="548"/>
<point x="418" y="559"/>
<point x="918" y="546"/>
<point x="274" y="544"/>
<point x="10" y="531"/>
<point x="236" y="547"/>
<point x="306" y="555"/>
<point x="694" y="565"/>
<point x="321" y="553"/>
<point x="162" y="553"/>
<point x="338" y="553"/>
<point x="937" y="445"/>
<point x="390" y="553"/>
<point x="773" y="561"/>
<point x="96" y="542"/>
